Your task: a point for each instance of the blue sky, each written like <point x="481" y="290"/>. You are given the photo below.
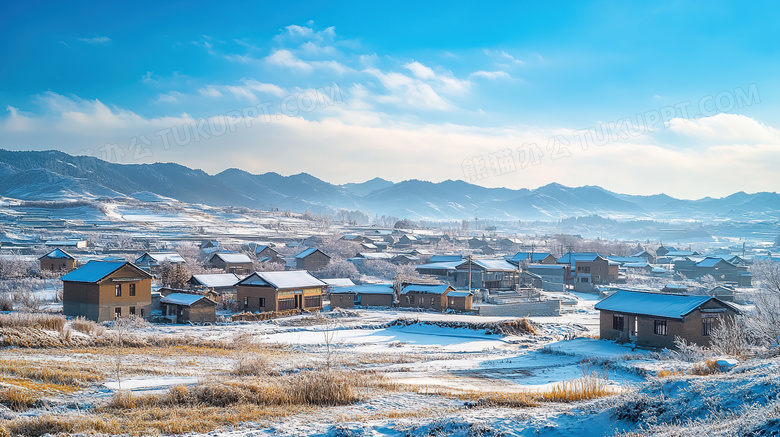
<point x="513" y="94"/>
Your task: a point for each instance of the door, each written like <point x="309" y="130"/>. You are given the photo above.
<point x="299" y="301"/>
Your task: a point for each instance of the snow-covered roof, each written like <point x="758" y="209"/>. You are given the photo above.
<point x="426" y="288"/>
<point x="445" y="258"/>
<point x="636" y="265"/>
<point x="182" y="299"/>
<point x="282" y="280"/>
<point x="459" y="294"/>
<point x="233" y="257"/>
<point x="672" y="306"/>
<point x="451" y="265"/>
<point x="58" y="254"/>
<point x="339" y="282"/>
<point x="491" y="264"/>
<point x="308" y="252"/>
<point x="95" y="271"/>
<point x="711" y="262"/>
<point x="546" y="267"/>
<point x="375" y="255"/>
<point x="159" y="257"/>
<point x="627" y="259"/>
<point x="578" y="256"/>
<point x="216" y="280"/>
<point x="365" y="289"/>
<point x="534" y="257"/>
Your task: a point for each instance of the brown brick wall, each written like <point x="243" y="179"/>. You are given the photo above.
<point x="342" y="300"/>
<point x="55" y="264"/>
<point x="422" y="300"/>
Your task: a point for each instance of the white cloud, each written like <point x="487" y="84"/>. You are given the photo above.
<point x="726" y="127"/>
<point x="492" y="75"/>
<point x="420" y="70"/>
<point x="351" y="140"/>
<point x="503" y="56"/>
<point x="285" y="58"/>
<point x="96" y="40"/>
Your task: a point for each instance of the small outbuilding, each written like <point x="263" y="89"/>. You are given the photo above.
<point x="192" y="308"/>
<point x="370" y="295"/>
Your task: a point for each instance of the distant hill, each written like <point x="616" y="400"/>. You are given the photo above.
<point x="53" y="175"/>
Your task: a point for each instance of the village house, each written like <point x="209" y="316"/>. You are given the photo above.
<point x="151" y="261"/>
<point x="279" y="291"/>
<point x="408" y="240"/>
<point x="311" y="259"/>
<point x="649" y="257"/>
<point x="223" y="285"/>
<point x="553" y="276"/>
<point x="105" y="290"/>
<point x="438" y="297"/>
<point x="532" y="258"/>
<point x="238" y="263"/>
<point x="371" y="295"/>
<point x="57" y="260"/>
<point x="209" y="246"/>
<point x="656" y="319"/>
<point x="265" y="253"/>
<point x="587" y="269"/>
<point x="188" y="308"/>
<point x="493" y="274"/>
<point x="443" y="271"/>
<point x="723" y="271"/>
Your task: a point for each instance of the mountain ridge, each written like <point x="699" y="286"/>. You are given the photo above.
<point x="51" y="175"/>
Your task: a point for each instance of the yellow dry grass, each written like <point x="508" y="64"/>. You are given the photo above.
<point x="52" y="372"/>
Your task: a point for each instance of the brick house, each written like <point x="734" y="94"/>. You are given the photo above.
<point x="238" y="263"/>
<point x="151" y="261"/>
<point x="279" y="291"/>
<point x="192" y="308"/>
<point x="311" y="259"/>
<point x="439" y="297"/>
<point x="655" y="319"/>
<point x="57" y="260"/>
<point x="105" y="290"/>
<point x="373" y="295"/>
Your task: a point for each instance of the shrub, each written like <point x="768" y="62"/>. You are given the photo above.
<point x="16" y="399"/>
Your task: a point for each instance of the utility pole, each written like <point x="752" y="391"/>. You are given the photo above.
<point x="469" y="273"/>
<point x="569" y="276"/>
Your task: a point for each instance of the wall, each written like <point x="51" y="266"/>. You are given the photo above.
<point x="543" y="308"/>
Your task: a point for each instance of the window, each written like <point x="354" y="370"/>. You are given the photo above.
<point x="118" y="290"/>
<point x="132" y="289"/>
<point x="659" y="327"/>
<point x="142" y="312"/>
<point x="246" y="301"/>
<point x="132" y="311"/>
<point x="618" y="322"/>
<point x="117" y="312"/>
<point x="262" y="302"/>
<point x="706" y="326"/>
<point x="407" y="300"/>
<point x="432" y="301"/>
<point x="422" y="302"/>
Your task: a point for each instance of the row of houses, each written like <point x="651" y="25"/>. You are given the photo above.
<point x="105" y="290"/>
<point x="437" y="297"/>
<point x="230" y="262"/>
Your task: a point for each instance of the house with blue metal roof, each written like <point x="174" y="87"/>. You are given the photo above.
<point x="311" y="259"/>
<point x="106" y="290"/>
<point x="438" y="297"/>
<point x="57" y="260"/>
<point x="656" y="319"/>
<point x="493" y="274"/>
